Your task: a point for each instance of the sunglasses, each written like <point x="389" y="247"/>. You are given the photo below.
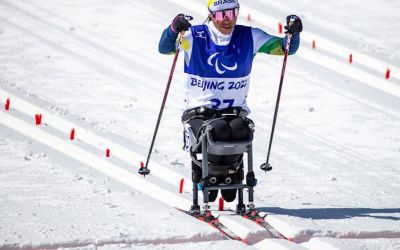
<point x="222" y="14"/>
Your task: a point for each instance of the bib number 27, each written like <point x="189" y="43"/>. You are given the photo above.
<point x="217" y="103"/>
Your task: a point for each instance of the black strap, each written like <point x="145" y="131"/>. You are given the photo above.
<point x="206" y="113"/>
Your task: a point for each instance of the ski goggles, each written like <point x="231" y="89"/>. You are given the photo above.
<point x="222" y="14"/>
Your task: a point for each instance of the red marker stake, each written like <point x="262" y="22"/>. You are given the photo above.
<point x="221" y="204"/>
<point x="387" y="73"/>
<point x="280" y="28"/>
<point x="181" y="186"/>
<point x="107" y="152"/>
<point x="351" y="58"/>
<point x="72" y="135"/>
<point x="7" y="106"/>
<point x="38" y="119"/>
<point x="313" y="44"/>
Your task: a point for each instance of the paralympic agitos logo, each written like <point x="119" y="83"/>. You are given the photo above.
<point x="219" y="66"/>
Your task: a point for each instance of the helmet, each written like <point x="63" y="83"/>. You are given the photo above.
<point x="218" y="5"/>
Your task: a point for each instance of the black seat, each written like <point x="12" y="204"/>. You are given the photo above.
<point x="219" y="171"/>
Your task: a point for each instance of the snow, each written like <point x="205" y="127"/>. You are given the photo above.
<point x="46" y="205"/>
<point x="353" y="244"/>
<point x="94" y="66"/>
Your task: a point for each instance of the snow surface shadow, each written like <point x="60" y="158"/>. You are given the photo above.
<point x="335" y="213"/>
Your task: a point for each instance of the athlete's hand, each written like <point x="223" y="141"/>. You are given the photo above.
<point x="293" y="24"/>
<point x="181" y="23"/>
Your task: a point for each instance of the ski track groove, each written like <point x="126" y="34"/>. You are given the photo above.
<point x="108" y="73"/>
<point x="95" y="35"/>
<point x="377" y="107"/>
<point x="96" y="50"/>
<point x="348" y="154"/>
<point x="93" y="139"/>
<point x="334" y="48"/>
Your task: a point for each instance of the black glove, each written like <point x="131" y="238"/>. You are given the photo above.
<point x="181" y="23"/>
<point x="293" y="24"/>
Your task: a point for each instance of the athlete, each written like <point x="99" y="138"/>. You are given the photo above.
<point x="218" y="58"/>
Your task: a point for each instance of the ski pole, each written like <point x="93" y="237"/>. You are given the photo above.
<point x="266" y="166"/>
<point x="145" y="170"/>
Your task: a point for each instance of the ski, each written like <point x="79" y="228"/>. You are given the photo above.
<point x="255" y="217"/>
<point x="215" y="223"/>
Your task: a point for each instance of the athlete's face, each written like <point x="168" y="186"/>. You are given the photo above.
<point x="226" y="25"/>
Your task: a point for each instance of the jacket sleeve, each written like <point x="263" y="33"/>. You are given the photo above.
<point x="273" y="45"/>
<point x="294" y="43"/>
<point x="167" y="44"/>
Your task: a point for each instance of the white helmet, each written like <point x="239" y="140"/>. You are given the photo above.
<point x="218" y="5"/>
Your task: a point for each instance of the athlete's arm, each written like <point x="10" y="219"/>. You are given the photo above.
<point x="167" y="43"/>
<point x="180" y="24"/>
<point x="273" y="45"/>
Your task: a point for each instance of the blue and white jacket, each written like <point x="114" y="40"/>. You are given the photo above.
<point x="218" y="66"/>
